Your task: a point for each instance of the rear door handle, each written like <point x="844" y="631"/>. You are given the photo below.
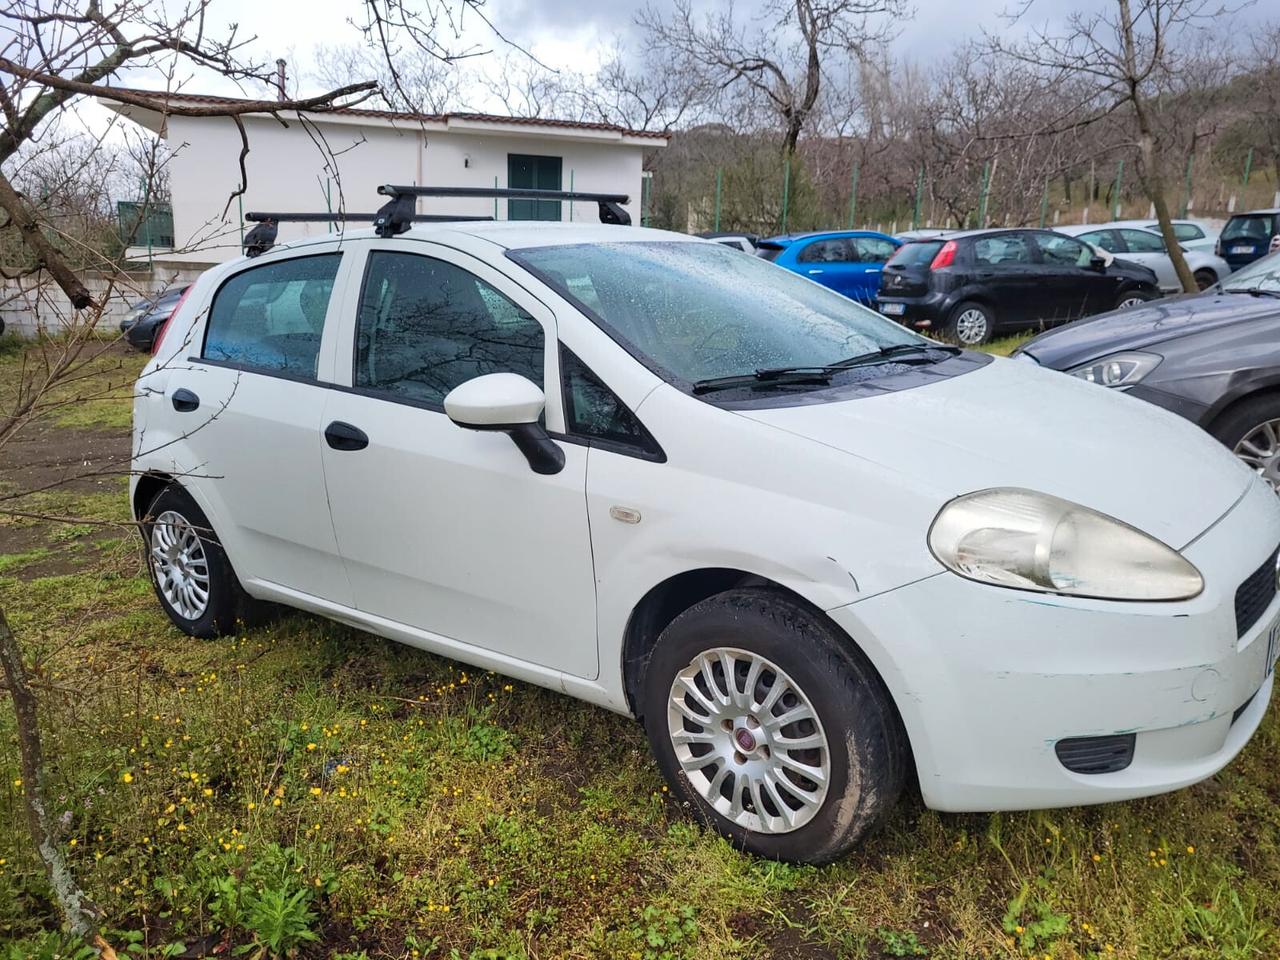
<point x="184" y="401"/>
<point x="343" y="436"/>
<point x="812" y="272"/>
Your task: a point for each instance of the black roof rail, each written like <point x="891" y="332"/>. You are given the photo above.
<point x="398" y="212"/>
<point x="263" y="237"/>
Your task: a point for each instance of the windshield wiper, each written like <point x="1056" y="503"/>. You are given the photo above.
<point x="819" y="373"/>
<point x="1253" y="291"/>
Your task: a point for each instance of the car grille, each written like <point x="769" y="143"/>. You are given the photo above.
<point x="1255" y="595"/>
<point x="1096" y="754"/>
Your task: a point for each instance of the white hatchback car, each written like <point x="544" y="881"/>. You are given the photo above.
<point x="809" y="549"/>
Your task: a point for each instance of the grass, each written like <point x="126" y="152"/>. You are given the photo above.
<point x="307" y="789"/>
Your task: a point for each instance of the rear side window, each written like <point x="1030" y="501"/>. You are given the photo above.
<point x="826" y="251"/>
<point x="1255" y="228"/>
<point x="271" y="317"/>
<point x="871" y="249"/>
<point x="915" y="254"/>
<point x="1005" y="248"/>
<point x="426" y="326"/>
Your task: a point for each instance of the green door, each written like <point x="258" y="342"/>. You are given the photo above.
<point x="537" y="173"/>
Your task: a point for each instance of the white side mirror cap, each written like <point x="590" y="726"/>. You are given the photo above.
<point x="495" y="401"/>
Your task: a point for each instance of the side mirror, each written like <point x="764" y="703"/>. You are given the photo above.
<point x="1098" y="263"/>
<point x="512" y="404"/>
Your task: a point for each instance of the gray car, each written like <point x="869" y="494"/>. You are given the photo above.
<point x="1212" y="357"/>
<point x="1142" y="246"/>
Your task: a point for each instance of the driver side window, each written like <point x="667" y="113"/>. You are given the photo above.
<point x="425" y="326"/>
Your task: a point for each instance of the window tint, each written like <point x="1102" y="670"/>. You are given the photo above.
<point x="1063" y="251"/>
<point x="1249" y="228"/>
<point x="426" y="326"/>
<point x="872" y="249"/>
<point x="271" y="317"/>
<point x="1140" y="241"/>
<point x="1003" y="248"/>
<point x="1103" y="239"/>
<point x="917" y="252"/>
<point x="593" y="410"/>
<point x="825" y="251"/>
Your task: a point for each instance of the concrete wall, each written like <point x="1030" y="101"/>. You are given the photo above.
<point x="289" y="171"/>
<point x="35" y="304"/>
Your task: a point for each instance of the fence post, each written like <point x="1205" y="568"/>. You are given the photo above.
<point x="915" y="213"/>
<point x="982" y="197"/>
<point x="571" y="191"/>
<point x="1186" y="187"/>
<point x="1115" y="193"/>
<point x="1248" y="165"/>
<point x="786" y="190"/>
<point x="495" y="199"/>
<point x="853" y="196"/>
<point x="719" y="185"/>
<point x="1044" y="204"/>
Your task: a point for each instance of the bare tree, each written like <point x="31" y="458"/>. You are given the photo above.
<point x="777" y="56"/>
<point x="422" y="83"/>
<point x="1129" y="54"/>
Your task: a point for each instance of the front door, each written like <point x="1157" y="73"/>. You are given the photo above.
<point x="441" y="528"/>
<point x="1148" y="249"/>
<point x="1075" y="288"/>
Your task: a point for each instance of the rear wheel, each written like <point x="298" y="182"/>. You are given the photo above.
<point x="1251" y="430"/>
<point x="970" y="324"/>
<point x="190" y="571"/>
<point x="779" y="734"/>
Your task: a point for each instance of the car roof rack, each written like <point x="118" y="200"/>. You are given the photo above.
<point x="263" y="237"/>
<point x="398" y="212"/>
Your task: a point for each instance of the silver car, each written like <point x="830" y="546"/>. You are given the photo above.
<point x="1139" y="245"/>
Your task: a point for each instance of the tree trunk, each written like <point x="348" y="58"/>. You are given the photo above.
<point x="46" y="253"/>
<point x="79" y="914"/>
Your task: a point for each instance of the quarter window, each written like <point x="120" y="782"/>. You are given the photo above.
<point x="271" y="317"/>
<point x="594" y="411"/>
<point x="426" y="326"/>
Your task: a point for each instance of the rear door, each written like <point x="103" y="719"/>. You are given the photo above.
<point x="1005" y="273"/>
<point x="1149" y="250"/>
<point x="830" y="261"/>
<point x="249" y="400"/>
<point x="443" y="529"/>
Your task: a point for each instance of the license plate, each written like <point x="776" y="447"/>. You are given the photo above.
<point x="1244" y="249"/>
<point x="893" y="309"/>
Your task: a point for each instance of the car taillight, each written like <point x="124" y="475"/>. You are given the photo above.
<point x="164" y="327"/>
<point x="945" y="257"/>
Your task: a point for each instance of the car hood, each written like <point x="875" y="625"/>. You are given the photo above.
<point x="1140" y="327"/>
<point x="1012" y="424"/>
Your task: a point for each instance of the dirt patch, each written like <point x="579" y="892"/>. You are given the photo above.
<point x="64" y="458"/>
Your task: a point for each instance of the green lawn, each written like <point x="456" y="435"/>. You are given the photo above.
<point x="308" y="786"/>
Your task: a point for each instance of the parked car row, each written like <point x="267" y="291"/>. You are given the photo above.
<point x="146" y="318"/>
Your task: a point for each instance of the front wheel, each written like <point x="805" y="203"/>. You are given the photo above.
<point x="773" y="727"/>
<point x="1132" y="298"/>
<point x="1251" y="430"/>
<point x="970" y="324"/>
<point x="1205" y="279"/>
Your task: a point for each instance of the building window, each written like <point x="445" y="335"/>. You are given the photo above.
<point x="537" y="173"/>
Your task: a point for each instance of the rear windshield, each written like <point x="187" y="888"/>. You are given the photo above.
<point x="914" y="254"/>
<point x="1259" y="227"/>
<point x="769" y="251"/>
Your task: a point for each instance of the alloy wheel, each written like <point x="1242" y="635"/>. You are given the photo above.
<point x="1260" y="449"/>
<point x="971" y="326"/>
<point x="749" y="740"/>
<point x="1128" y="302"/>
<point x="180" y="565"/>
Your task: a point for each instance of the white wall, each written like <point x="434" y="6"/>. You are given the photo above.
<point x="287" y="171"/>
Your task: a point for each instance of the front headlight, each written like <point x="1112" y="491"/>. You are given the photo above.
<point x="1117" y="370"/>
<point x="1033" y="541"/>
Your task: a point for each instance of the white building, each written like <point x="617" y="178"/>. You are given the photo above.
<point x="337" y="159"/>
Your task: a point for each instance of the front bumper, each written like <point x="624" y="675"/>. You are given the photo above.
<point x="988" y="680"/>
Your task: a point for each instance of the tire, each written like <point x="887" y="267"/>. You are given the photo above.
<point x="176" y="526"/>
<point x="1251" y="430"/>
<point x="1205" y="279"/>
<point x="863" y="747"/>
<point x="971" y="324"/>
<point x="1132" y="298"/>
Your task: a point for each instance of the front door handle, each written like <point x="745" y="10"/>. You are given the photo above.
<point x="343" y="436"/>
<point x="813" y="272"/>
<point x="184" y="401"/>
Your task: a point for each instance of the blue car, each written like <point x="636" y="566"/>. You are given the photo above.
<point x="847" y="261"/>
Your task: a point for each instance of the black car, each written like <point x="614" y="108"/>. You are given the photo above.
<point x="1247" y="236"/>
<point x="1212" y="357"/>
<point x="969" y="286"/>
<point x="141" y="333"/>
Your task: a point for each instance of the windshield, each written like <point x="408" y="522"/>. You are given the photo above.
<point x="701" y="310"/>
<point x="1263" y="274"/>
